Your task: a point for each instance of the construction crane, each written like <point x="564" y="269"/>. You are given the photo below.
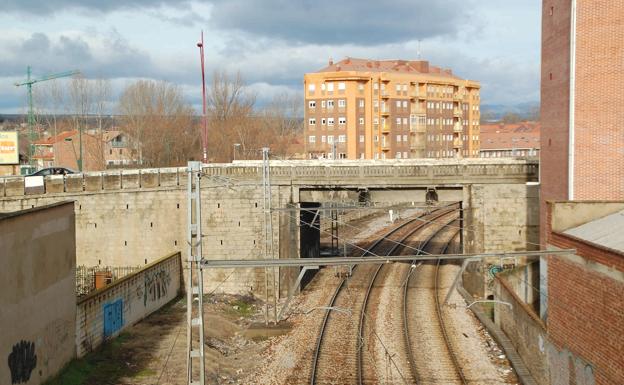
<point x="31" y="113"/>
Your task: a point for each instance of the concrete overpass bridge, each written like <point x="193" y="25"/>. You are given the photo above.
<point x="131" y="217"/>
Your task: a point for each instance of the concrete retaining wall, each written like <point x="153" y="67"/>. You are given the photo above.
<point x="107" y="312"/>
<point x="523" y="326"/>
<point x="37" y="284"/>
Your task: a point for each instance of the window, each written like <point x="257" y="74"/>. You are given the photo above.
<point x="342" y="138"/>
<point x="330" y="121"/>
<point x="323" y="121"/>
<point x="311" y="87"/>
<point x="361" y="121"/>
<point x="398" y="155"/>
<point x="405" y="155"/>
<point x="361" y="138"/>
<point x="323" y="103"/>
<point x="323" y="138"/>
<point x="398" y="138"/>
<point x="312" y="139"/>
<point x="376" y="138"/>
<point x="376" y="121"/>
<point x="405" y="104"/>
<point x="404" y="87"/>
<point x="398" y="121"/>
<point x="342" y="103"/>
<point x="341" y="86"/>
<point x="405" y="121"/>
<point x="312" y="121"/>
<point x="375" y="103"/>
<point x="312" y="104"/>
<point x="361" y="103"/>
<point x="361" y="87"/>
<point x="405" y="138"/>
<point x="398" y="88"/>
<point x="330" y="139"/>
<point x="330" y="87"/>
<point x="342" y="121"/>
<point x="398" y="104"/>
<point x="375" y="86"/>
<point x="330" y="104"/>
<point x="323" y="87"/>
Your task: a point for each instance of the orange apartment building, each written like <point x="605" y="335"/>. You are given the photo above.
<point x="383" y="109"/>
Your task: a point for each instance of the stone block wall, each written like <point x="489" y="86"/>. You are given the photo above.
<point x="106" y="312"/>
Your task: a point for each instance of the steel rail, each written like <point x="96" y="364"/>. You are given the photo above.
<point x="410" y="353"/>
<point x="447" y="340"/>
<point x="368" y="251"/>
<point x="416" y="228"/>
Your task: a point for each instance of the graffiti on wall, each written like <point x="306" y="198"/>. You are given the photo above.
<point x="22" y="361"/>
<point x="156" y="284"/>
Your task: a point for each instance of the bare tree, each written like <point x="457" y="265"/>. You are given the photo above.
<point x="160" y="121"/>
<point x="283" y="124"/>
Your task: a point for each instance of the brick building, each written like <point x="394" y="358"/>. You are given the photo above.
<point x="581" y="101"/>
<point x="508" y="140"/>
<point x="379" y="109"/>
<point x="111" y="148"/>
<point x="582" y="294"/>
<point x="582" y="159"/>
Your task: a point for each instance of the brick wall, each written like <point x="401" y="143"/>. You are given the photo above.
<point x="585" y="311"/>
<point x="555" y="91"/>
<point x="599" y="132"/>
<point x="108" y="311"/>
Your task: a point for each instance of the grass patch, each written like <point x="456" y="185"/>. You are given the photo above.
<point x="242" y="308"/>
<point x="145" y="373"/>
<point x="102" y="366"/>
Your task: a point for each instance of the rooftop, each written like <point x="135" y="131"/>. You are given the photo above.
<point x="508" y="136"/>
<point x="605" y="231"/>
<point x="396" y="66"/>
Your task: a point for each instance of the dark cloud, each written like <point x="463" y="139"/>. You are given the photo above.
<point x="112" y="58"/>
<point x="44" y="7"/>
<point x="345" y="21"/>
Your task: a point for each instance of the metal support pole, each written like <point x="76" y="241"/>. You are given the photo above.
<point x="461" y="226"/>
<point x="268" y="234"/>
<point x="194" y="279"/>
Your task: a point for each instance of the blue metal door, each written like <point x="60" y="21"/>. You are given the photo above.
<point x="113" y="317"/>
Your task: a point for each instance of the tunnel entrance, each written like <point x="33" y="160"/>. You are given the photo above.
<point x="309" y="235"/>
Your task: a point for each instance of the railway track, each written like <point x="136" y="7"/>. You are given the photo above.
<point x="339" y="355"/>
<point x="431" y="354"/>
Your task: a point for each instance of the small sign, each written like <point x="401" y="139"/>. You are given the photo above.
<point x="9" y="149"/>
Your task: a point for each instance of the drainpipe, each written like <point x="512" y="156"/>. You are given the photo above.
<point x="572" y="97"/>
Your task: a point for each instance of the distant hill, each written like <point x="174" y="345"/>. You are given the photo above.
<point x="526" y="111"/>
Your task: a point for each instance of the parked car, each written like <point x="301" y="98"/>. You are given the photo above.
<point x="53" y="171"/>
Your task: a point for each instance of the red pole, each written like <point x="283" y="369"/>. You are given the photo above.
<point x="204" y="121"/>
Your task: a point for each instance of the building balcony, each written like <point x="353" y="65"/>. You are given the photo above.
<point x="457" y="143"/>
<point x="385" y="128"/>
<point x="385" y="110"/>
<point x="414" y="94"/>
<point x="418" y="128"/>
<point x="385" y="147"/>
<point x="419" y="111"/>
<point x="458" y="112"/>
<point x="457" y="127"/>
<point x="385" y="94"/>
<point x="457" y="96"/>
<point x="417" y="144"/>
<point x="122" y="144"/>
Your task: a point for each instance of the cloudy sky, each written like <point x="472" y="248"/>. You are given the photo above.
<point x="271" y="42"/>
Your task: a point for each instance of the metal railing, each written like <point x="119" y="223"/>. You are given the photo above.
<point x="86" y="276"/>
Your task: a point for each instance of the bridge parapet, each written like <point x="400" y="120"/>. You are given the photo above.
<point x="295" y="173"/>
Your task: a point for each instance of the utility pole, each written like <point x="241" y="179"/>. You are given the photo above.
<point x="194" y="278"/>
<point x="31" y="113"/>
<point x="204" y="121"/>
<point x="268" y="234"/>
